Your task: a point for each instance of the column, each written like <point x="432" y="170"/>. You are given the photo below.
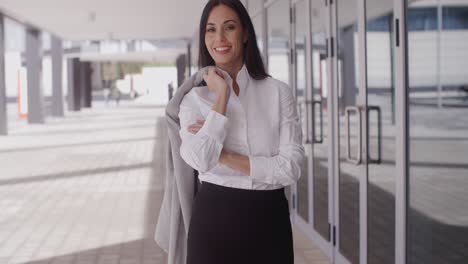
<point x="74" y="86"/>
<point x="181" y="64"/>
<point x="85" y="82"/>
<point x="3" y="99"/>
<point x="57" y="68"/>
<point x="34" y="76"/>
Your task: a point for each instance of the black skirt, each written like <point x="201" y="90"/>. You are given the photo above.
<point x="231" y="225"/>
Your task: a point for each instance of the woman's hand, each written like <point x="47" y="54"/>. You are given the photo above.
<point x="194" y="128"/>
<point x="215" y="81"/>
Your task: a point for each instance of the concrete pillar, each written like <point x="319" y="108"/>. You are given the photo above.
<point x="131" y="46"/>
<point x="181" y="64"/>
<point x="86" y="95"/>
<point x="74" y="84"/>
<point x="348" y="81"/>
<point x="3" y="99"/>
<point x="57" y="68"/>
<point x="189" y="59"/>
<point x="34" y="76"/>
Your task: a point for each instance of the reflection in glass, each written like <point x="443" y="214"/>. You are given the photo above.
<point x="319" y="130"/>
<point x="349" y="172"/>
<point x="278" y="40"/>
<point x="301" y="84"/>
<point x="437" y="230"/>
<point x="278" y="48"/>
<point x="381" y="133"/>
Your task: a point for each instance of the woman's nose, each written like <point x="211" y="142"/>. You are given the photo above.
<point x="220" y="35"/>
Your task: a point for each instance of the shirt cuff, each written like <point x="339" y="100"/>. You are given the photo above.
<point x="257" y="171"/>
<point x="215" y="126"/>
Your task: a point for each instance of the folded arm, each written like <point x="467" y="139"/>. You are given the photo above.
<point x="283" y="168"/>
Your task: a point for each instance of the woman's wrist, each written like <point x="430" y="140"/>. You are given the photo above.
<point x="222" y="91"/>
<point x="221" y="102"/>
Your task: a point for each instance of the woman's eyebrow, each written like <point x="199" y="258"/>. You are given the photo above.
<point x="229" y="20"/>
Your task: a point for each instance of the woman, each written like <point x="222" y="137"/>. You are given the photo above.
<point x="242" y="133"/>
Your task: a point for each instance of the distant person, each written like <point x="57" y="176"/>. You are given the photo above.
<point x="117" y="95"/>
<point x="106" y="92"/>
<point x="246" y="152"/>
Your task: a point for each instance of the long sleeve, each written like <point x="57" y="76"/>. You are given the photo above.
<point x="285" y="167"/>
<point x="201" y="150"/>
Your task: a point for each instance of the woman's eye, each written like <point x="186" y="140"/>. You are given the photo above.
<point x="231" y="27"/>
<point x="210" y="30"/>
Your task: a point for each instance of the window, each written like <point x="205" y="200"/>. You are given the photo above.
<point x="381" y="24"/>
<point x="455" y="17"/>
<point x="421" y="19"/>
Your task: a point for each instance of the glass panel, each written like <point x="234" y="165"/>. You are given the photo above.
<point x="301" y="84"/>
<point x="381" y="133"/>
<point x="278" y="40"/>
<point x="278" y="48"/>
<point x="319" y="128"/>
<point x="437" y="230"/>
<point x="348" y="91"/>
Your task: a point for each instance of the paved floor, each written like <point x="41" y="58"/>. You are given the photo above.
<point x="87" y="188"/>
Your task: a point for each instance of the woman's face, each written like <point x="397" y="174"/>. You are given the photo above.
<point x="224" y="37"/>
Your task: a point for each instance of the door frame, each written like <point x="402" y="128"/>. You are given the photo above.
<point x="308" y="227"/>
<point x="361" y="103"/>
<point x="401" y="119"/>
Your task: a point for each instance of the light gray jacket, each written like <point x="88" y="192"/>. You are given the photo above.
<point x="176" y="209"/>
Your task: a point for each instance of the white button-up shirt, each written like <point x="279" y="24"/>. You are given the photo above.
<point x="261" y="123"/>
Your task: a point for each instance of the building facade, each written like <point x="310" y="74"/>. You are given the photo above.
<point x="382" y="91"/>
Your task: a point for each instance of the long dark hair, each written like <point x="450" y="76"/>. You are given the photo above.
<point x="252" y="58"/>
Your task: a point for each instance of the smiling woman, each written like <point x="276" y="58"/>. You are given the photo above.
<point x="241" y="132"/>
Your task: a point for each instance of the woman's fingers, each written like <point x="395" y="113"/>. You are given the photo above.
<point x="194" y="128"/>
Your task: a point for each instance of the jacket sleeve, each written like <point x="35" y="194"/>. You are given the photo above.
<point x="285" y="167"/>
<point x="201" y="150"/>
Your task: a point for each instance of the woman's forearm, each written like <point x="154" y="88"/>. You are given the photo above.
<point x="235" y="161"/>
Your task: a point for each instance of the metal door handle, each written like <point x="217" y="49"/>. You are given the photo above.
<point x="348" y="110"/>
<point x="379" y="134"/>
<point x="299" y="110"/>
<point x="314" y="134"/>
<point x="307" y="103"/>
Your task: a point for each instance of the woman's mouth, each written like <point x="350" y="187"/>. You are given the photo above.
<point x="222" y="50"/>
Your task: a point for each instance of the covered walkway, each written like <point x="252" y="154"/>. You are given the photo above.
<point x="87" y="189"/>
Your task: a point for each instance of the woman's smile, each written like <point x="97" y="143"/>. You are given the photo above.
<point x="222" y="50"/>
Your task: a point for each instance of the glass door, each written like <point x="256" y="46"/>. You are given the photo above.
<point x="381" y="136"/>
<point x="278" y="53"/>
<point x="350" y="101"/>
<point x="301" y="83"/>
<point x="437" y="217"/>
<point x="365" y="190"/>
<point x="320" y="130"/>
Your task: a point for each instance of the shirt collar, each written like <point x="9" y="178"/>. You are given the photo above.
<point x="242" y="78"/>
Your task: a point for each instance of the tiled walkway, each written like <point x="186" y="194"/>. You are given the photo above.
<point x="87" y="189"/>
